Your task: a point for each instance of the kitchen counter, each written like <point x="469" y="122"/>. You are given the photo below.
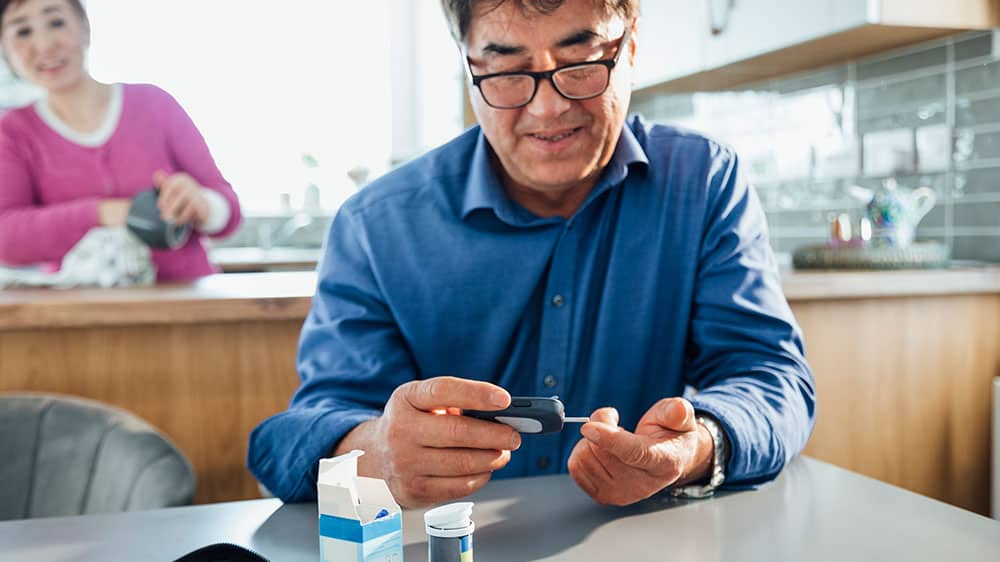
<point x="904" y="363"/>
<point x="251" y="259"/>
<point x="287" y="295"/>
<point x="204" y="362"/>
<point x="799" y="285"/>
<point x="803" y="285"/>
<point x="216" y="298"/>
<point x="903" y="360"/>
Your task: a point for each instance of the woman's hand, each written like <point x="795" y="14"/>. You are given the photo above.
<point x="113" y="212"/>
<point x="181" y="200"/>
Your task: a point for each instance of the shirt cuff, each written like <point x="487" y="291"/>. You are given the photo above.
<point x="218" y="212"/>
<point x="285" y="449"/>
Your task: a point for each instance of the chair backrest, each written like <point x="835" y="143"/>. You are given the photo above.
<point x="63" y="455"/>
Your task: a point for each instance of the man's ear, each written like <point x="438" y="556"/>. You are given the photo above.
<point x="633" y="39"/>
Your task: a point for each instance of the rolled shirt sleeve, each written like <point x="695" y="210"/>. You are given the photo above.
<point x="351" y="358"/>
<point x="219" y="212"/>
<point x="745" y="354"/>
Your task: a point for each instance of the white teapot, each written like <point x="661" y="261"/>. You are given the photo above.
<point x="895" y="211"/>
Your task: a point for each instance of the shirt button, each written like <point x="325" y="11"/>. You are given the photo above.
<point x="544" y="462"/>
<point x="558" y="301"/>
<point x="549" y="381"/>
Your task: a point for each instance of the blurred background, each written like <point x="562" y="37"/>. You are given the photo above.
<point x="287" y="95"/>
<point x="304" y="103"/>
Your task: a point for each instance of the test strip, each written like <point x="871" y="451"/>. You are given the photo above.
<point x="576" y="420"/>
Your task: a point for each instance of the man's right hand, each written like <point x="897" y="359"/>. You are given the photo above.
<point x="427" y="453"/>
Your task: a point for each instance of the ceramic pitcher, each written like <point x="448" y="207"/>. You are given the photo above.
<point x="895" y="211"/>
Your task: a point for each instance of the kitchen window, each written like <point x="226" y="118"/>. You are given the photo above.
<point x="287" y="94"/>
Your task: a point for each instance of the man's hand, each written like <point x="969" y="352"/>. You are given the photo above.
<point x="181" y="200"/>
<point x="617" y="467"/>
<point x="424" y="450"/>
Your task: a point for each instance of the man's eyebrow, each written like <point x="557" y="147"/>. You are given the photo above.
<point x="584" y="36"/>
<point x="500" y="49"/>
<point x="581" y="37"/>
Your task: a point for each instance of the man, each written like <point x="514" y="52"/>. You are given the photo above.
<point x="553" y="250"/>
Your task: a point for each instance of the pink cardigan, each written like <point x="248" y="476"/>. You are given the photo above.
<point x="50" y="186"/>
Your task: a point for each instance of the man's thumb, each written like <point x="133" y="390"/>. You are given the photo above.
<point x="676" y="414"/>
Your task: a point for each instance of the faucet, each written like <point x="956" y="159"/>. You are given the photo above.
<point x="286" y="231"/>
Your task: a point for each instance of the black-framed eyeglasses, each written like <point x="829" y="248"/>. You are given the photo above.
<point x="576" y="81"/>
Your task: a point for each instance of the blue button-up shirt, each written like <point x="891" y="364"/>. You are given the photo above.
<point x="662" y="280"/>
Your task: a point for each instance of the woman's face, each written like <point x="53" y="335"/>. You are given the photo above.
<point x="44" y="41"/>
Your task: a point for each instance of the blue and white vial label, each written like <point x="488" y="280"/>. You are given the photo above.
<point x="441" y="549"/>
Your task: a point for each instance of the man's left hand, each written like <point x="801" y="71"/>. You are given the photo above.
<point x="617" y="467"/>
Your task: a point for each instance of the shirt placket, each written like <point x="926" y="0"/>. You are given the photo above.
<point x="553" y="376"/>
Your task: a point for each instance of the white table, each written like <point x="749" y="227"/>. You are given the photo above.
<point x="812" y="512"/>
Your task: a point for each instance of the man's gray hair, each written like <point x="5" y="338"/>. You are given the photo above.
<point x="459" y="13"/>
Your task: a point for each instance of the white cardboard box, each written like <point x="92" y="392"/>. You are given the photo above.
<point x="358" y="518"/>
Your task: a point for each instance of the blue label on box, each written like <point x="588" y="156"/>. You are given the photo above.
<point x="352" y="529"/>
<point x="378" y="541"/>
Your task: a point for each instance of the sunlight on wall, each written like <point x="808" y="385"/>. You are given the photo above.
<point x="265" y="83"/>
<point x="273" y="86"/>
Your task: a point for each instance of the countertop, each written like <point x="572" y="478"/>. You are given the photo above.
<point x="813" y="512"/>
<point x="228" y="297"/>
<point x="247" y="259"/>
<point x="232" y="297"/>
<point x="802" y="285"/>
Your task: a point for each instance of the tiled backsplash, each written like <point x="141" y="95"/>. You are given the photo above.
<point x="927" y="115"/>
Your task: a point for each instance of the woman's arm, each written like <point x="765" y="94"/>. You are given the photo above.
<point x="191" y="154"/>
<point x="32" y="233"/>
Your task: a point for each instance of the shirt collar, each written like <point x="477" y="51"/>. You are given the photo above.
<point x="483" y="189"/>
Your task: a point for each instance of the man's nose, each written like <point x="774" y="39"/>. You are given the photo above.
<point x="548" y="101"/>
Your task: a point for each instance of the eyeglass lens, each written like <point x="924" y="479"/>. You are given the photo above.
<point x="577" y="82"/>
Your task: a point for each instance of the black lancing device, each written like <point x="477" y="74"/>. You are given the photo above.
<point x="529" y="414"/>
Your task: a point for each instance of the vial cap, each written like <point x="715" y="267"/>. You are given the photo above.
<point x="450" y="516"/>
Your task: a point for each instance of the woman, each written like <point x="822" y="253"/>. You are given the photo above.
<point x="73" y="160"/>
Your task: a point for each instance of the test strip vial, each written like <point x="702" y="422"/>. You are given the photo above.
<point x="449" y="532"/>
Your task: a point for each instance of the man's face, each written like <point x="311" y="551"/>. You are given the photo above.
<point x="44" y="41"/>
<point x="553" y="144"/>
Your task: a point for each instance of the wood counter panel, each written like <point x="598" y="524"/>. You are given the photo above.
<point x="904" y="390"/>
<point x="81" y="315"/>
<point x="205" y="385"/>
<point x="216" y="298"/>
<point x="826" y="285"/>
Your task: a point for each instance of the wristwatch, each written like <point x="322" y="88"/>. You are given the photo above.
<point x="718" y="474"/>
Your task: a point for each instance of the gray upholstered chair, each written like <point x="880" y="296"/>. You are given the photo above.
<point x="63" y="455"/>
